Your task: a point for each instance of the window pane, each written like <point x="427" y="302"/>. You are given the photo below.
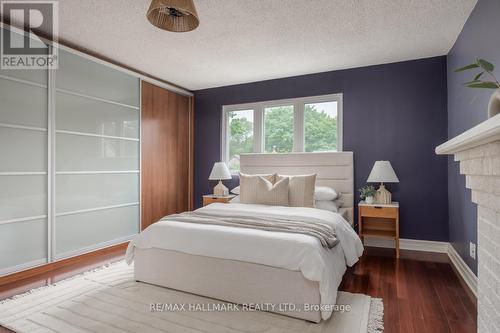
<point x="320" y="126"/>
<point x="240" y="132"/>
<point x="278" y="125"/>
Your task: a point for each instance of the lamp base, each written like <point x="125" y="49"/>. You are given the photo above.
<point x="220" y="190"/>
<point x="383" y="196"/>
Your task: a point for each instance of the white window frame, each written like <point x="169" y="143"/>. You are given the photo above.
<point x="298" y="121"/>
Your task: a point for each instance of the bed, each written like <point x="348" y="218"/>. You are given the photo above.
<point x="250" y="266"/>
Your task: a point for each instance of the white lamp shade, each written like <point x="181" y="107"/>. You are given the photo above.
<point x="219" y="172"/>
<point x="382" y="172"/>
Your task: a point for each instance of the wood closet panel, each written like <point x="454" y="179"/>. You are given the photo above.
<point x="166" y="153"/>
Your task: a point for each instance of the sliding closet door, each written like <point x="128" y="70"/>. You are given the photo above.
<point x="97" y="156"/>
<point x="167" y="120"/>
<point x="23" y="168"/>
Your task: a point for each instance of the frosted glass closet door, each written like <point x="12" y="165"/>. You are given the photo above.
<point x="23" y="169"/>
<point x="97" y="156"/>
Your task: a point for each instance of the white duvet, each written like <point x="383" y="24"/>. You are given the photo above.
<point x="295" y="252"/>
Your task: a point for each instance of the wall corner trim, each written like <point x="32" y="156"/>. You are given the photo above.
<point x="461" y="267"/>
<point x="465" y="272"/>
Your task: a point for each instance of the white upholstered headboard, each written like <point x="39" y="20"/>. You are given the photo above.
<point x="333" y="169"/>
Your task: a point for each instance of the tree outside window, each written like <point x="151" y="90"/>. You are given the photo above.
<point x="319" y="127"/>
<point x="278" y="128"/>
<point x="320" y="121"/>
<point x="240" y="136"/>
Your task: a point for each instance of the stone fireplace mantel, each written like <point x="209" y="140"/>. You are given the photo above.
<point x="478" y="152"/>
<point x="484" y="133"/>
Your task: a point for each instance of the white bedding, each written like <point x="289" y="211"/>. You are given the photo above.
<point x="294" y="252"/>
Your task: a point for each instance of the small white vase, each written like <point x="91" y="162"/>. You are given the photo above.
<point x="494" y="105"/>
<point x="369" y="200"/>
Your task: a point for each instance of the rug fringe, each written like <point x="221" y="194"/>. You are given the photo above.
<point x="35" y="290"/>
<point x="376" y="317"/>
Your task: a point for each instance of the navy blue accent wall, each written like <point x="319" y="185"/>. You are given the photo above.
<point x="395" y="112"/>
<point x="480" y="37"/>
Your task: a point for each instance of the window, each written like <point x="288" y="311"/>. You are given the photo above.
<point x="320" y="121"/>
<point x="240" y="136"/>
<point x="309" y="124"/>
<point x="278" y="129"/>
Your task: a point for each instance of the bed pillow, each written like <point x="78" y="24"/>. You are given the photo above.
<point x="300" y="190"/>
<point x="249" y="187"/>
<point x="329" y="205"/>
<point x="273" y="194"/>
<point x="324" y="193"/>
<point x="339" y="201"/>
<point x="236" y="199"/>
<point x="236" y="190"/>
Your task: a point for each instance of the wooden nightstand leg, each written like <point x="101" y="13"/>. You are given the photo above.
<point x="360" y="227"/>
<point x="397" y="247"/>
<point x="397" y="236"/>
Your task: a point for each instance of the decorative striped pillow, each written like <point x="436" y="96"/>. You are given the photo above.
<point x="273" y="195"/>
<point x="300" y="190"/>
<point x="249" y="190"/>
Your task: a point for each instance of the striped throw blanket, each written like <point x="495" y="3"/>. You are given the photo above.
<point x="324" y="232"/>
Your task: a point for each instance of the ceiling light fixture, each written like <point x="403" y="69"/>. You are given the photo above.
<point x="173" y="15"/>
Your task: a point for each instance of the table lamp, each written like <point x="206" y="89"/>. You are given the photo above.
<point x="220" y="172"/>
<point x="382" y="172"/>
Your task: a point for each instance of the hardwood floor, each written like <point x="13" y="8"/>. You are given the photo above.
<point x="421" y="291"/>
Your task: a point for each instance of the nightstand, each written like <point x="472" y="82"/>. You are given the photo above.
<point x="379" y="220"/>
<point x="210" y="198"/>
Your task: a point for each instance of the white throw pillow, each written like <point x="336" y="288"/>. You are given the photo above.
<point x="236" y="199"/>
<point x="249" y="189"/>
<point x="324" y="193"/>
<point x="273" y="194"/>
<point x="236" y="190"/>
<point x="300" y="190"/>
<point x="328" y="205"/>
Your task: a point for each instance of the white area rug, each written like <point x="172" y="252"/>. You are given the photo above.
<point x="109" y="300"/>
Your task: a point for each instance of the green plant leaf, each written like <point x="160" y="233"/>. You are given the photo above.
<point x="476" y="78"/>
<point x="486" y="65"/>
<point x="484" y="85"/>
<point x="471" y="82"/>
<point x="471" y="66"/>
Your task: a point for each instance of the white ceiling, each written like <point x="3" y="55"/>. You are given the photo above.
<point x="242" y="41"/>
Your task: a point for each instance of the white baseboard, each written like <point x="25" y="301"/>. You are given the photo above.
<point x="465" y="272"/>
<point x="409" y="244"/>
<point x="431" y="246"/>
